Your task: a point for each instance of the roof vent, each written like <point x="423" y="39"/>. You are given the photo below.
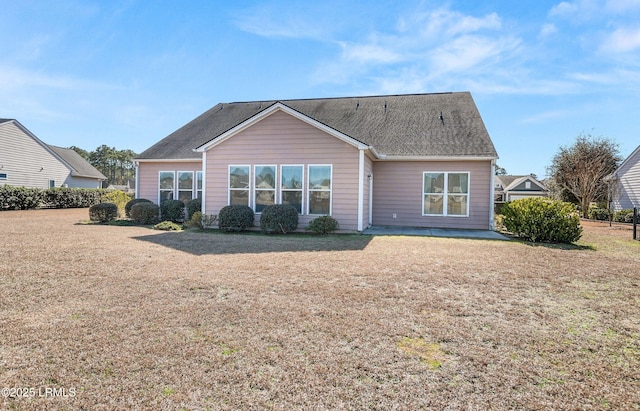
<point x="442" y="118"/>
<point x="357" y="104"/>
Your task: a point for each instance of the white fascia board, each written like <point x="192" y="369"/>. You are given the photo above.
<point x="383" y="157"/>
<point x="272" y="109"/>
<point x="167" y="160"/>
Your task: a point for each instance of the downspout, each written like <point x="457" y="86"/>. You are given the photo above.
<point x="137" y="165"/>
<point x="360" y="189"/>
<point x="203" y="207"/>
<point x="491" y="196"/>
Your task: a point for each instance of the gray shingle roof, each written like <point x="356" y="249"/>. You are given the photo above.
<point x="413" y="125"/>
<point x="80" y="166"/>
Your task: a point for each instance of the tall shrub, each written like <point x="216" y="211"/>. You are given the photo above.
<point x="67" y="197"/>
<point x="193" y="206"/>
<point x="172" y="210"/>
<point x="542" y="220"/>
<point x="279" y="218"/>
<point x="235" y="218"/>
<point x="20" y="198"/>
<point x="131" y="203"/>
<point x="144" y="213"/>
<point x="103" y="212"/>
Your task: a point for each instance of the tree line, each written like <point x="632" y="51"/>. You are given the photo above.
<point x="116" y="165"/>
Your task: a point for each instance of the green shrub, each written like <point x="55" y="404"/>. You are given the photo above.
<point x="117" y="197"/>
<point x="323" y="225"/>
<point x="195" y="221"/>
<point x="172" y="210"/>
<point x="279" y="218"/>
<point x="539" y="219"/>
<point x="65" y="197"/>
<point x="597" y="213"/>
<point x="144" y="213"/>
<point x="20" y="198"/>
<point x="624" y="216"/>
<point x="131" y="203"/>
<point x="167" y="226"/>
<point x="193" y="206"/>
<point x="103" y="212"/>
<point x="235" y="218"/>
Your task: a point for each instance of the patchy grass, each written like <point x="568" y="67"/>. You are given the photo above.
<point x="134" y="318"/>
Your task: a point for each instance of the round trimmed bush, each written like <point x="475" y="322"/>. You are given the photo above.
<point x="323" y="225"/>
<point x="235" y="218"/>
<point x="279" y="218"/>
<point x="144" y="213"/>
<point x="597" y="213"/>
<point x="103" y="212"/>
<point x="131" y="203"/>
<point x="172" y="210"/>
<point x="193" y="206"/>
<point x="542" y="220"/>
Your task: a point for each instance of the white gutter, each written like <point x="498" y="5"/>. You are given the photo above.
<point x="491" y="196"/>
<point x="360" y="188"/>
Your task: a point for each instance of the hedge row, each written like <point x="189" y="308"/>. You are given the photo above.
<point x="22" y="198"/>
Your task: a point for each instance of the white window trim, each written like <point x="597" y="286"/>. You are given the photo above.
<point x="308" y="190"/>
<point x="229" y="189"/>
<point x="301" y="190"/>
<point x="177" y="185"/>
<point x="445" y="194"/>
<point x="173" y="191"/>
<point x="255" y="189"/>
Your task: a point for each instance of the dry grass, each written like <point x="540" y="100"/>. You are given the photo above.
<point x="137" y="319"/>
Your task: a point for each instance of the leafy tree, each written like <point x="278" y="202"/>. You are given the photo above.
<point x="116" y="165"/>
<point x="500" y="171"/>
<point x="580" y="168"/>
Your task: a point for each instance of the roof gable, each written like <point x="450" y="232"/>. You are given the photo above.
<point x="510" y="183"/>
<point x="443" y="125"/>
<point x="628" y="162"/>
<point x="278" y="106"/>
<point x="79" y="166"/>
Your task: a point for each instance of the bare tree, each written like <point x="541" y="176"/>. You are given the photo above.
<point x="581" y="168"/>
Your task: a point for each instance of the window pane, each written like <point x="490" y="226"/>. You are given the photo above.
<point x="240" y="197"/>
<point x="291" y="177"/>
<point x="166" y="195"/>
<point x="433" y="182"/>
<point x="199" y="180"/>
<point x="239" y="177"/>
<point x="265" y="177"/>
<point x="184" y="195"/>
<point x="457" y="204"/>
<point x="293" y="198"/>
<point x="185" y="181"/>
<point x="433" y="204"/>
<point x="263" y="199"/>
<point x="320" y="177"/>
<point x="166" y="180"/>
<point x="319" y="202"/>
<point x="458" y="183"/>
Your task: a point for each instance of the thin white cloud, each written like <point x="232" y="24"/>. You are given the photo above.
<point x="548" y="30"/>
<point x="272" y="23"/>
<point x="621" y="40"/>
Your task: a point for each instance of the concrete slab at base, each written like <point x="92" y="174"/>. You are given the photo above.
<point x="435" y="232"/>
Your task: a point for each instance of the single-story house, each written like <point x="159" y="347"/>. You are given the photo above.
<point x="25" y="161"/>
<point x="422" y="160"/>
<point x="509" y="188"/>
<point x="626" y="183"/>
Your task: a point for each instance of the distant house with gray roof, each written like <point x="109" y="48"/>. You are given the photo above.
<point x="509" y="188"/>
<point x="421" y="160"/>
<point x="26" y="161"/>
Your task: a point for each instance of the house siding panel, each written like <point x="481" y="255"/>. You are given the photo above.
<point x="27" y="162"/>
<point x="148" y="175"/>
<point x="281" y="139"/>
<point x="397" y="189"/>
<point x="628" y="195"/>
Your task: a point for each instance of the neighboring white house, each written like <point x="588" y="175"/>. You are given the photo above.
<point x="25" y="161"/>
<point x="509" y="188"/>
<point x="626" y="183"/>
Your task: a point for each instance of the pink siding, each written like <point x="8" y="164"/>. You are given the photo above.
<point x="398" y="189"/>
<point x="368" y="171"/>
<point x="281" y="139"/>
<point x="148" y="173"/>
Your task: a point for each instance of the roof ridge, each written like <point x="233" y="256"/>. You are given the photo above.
<point x="347" y="97"/>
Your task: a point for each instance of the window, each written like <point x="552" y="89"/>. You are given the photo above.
<point x="319" y="189"/>
<point x="52" y="183"/>
<point x="527" y="185"/>
<point x="239" y="185"/>
<point x="198" y="184"/>
<point x="265" y="187"/>
<point x="166" y="185"/>
<point x="185" y="185"/>
<point x="445" y="194"/>
<point x="3" y="176"/>
<point x="291" y="186"/>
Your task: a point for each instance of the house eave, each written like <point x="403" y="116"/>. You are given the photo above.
<point x="166" y="160"/>
<point x="384" y="157"/>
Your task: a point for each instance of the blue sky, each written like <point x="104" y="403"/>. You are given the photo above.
<point x="128" y="73"/>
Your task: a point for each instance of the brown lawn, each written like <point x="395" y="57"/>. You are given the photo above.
<point x="130" y="318"/>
